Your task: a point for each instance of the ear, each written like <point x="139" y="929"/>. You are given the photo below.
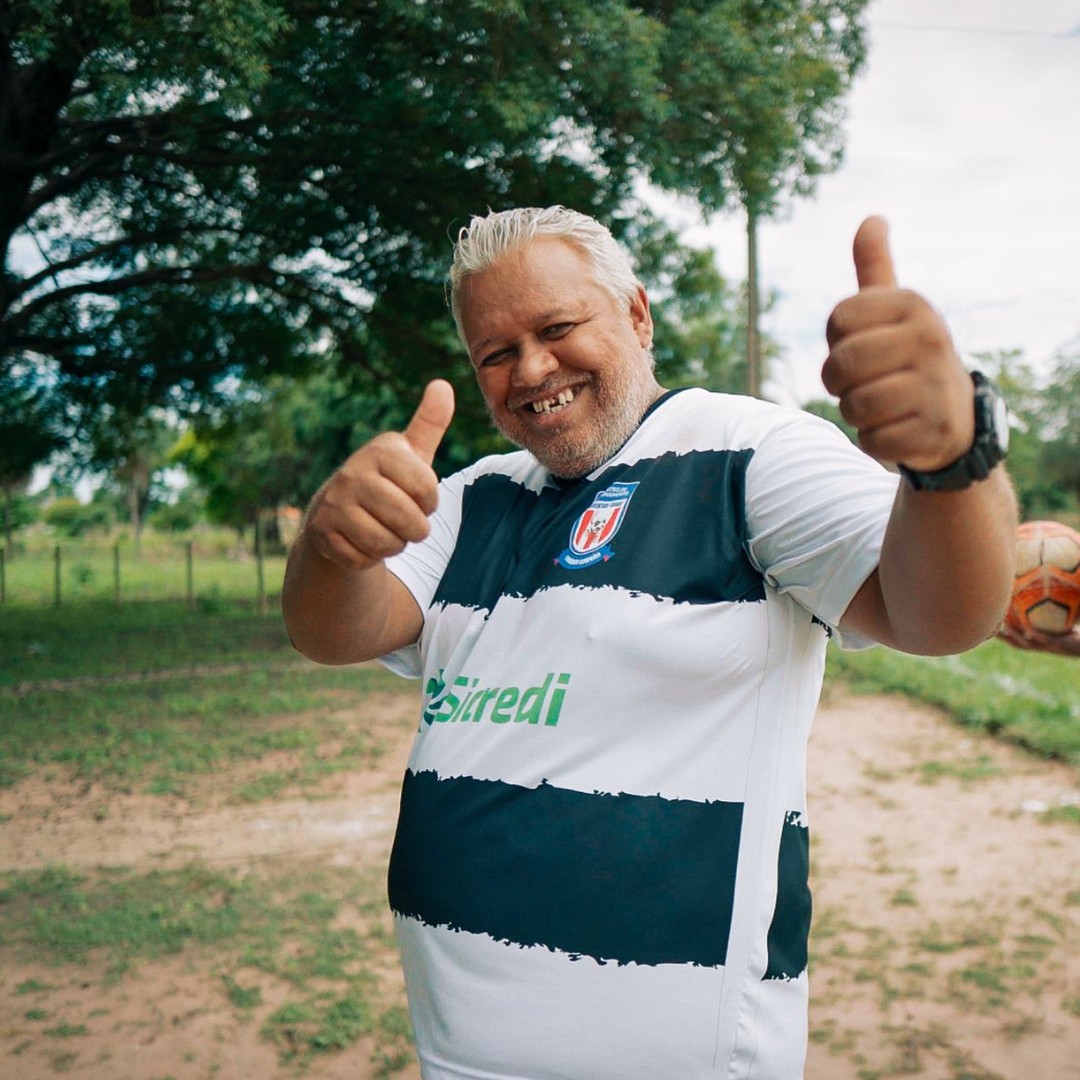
<point x="641" y="317"/>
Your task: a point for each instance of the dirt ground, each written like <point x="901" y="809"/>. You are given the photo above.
<point x="946" y="941"/>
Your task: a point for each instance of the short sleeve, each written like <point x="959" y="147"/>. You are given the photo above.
<point x="817" y="508"/>
<point x="420" y="567"/>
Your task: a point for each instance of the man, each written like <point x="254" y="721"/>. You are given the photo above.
<point x="600" y="870"/>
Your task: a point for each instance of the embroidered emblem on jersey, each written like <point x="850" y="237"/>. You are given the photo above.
<point x="591" y="536"/>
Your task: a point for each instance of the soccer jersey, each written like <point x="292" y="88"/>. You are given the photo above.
<point x="600" y="868"/>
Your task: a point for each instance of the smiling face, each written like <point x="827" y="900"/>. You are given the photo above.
<point x="563" y="365"/>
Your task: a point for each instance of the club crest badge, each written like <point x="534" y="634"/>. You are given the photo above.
<point x="591" y="536"/>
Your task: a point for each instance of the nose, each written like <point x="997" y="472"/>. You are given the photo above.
<point x="534" y="363"/>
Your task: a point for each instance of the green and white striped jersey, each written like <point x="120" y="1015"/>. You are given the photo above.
<point x="600" y="869"/>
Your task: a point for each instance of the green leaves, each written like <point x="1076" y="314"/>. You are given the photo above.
<point x="194" y="191"/>
<point x="171" y="40"/>
<point x="1044" y="447"/>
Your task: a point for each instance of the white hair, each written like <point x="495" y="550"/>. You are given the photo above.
<point x="487" y="239"/>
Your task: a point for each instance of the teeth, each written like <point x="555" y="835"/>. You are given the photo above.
<point x="564" y="398"/>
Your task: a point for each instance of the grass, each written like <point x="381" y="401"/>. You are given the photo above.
<point x="99" y="567"/>
<point x="980" y="964"/>
<point x="154" y="736"/>
<point x="1027" y="698"/>
<point x="162" y="698"/>
<point x="91" y="640"/>
<point x="148" y="697"/>
<point x="158" y="698"/>
<point x="66" y="916"/>
<point x="1003" y="965"/>
<point x="252" y="931"/>
<point x="982" y="768"/>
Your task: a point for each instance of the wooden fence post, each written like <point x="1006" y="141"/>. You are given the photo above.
<point x="260" y="579"/>
<point x="191" y="573"/>
<point x="116" y="571"/>
<point x="56" y="575"/>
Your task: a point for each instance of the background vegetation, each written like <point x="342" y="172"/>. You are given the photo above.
<point x="224" y="225"/>
<point x="204" y="566"/>
<point x="203" y="202"/>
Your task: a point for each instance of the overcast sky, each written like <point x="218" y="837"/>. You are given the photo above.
<point x="964" y="131"/>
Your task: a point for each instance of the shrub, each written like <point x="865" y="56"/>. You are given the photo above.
<point x="72" y="518"/>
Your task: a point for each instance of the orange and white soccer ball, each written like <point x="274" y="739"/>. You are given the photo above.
<point x="1046" y="588"/>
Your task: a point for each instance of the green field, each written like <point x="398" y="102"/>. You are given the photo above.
<point x="210" y="566"/>
<point x="171" y="701"/>
<point x="95" y="639"/>
<point x="1027" y="698"/>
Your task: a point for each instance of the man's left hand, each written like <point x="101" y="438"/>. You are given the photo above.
<point x="893" y="366"/>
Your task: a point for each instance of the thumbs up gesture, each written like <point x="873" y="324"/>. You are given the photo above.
<point x="893" y="366"/>
<point x="380" y="499"/>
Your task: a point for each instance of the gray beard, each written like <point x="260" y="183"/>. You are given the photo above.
<point x="567" y="458"/>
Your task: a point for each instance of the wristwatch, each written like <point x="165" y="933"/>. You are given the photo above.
<point x="990" y="446"/>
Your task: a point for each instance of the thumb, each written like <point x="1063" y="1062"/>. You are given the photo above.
<point x="873" y="259"/>
<point x="431" y="419"/>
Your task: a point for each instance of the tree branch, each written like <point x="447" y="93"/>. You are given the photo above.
<point x="100" y="251"/>
<point x="166" y="275"/>
<point x="285" y="283"/>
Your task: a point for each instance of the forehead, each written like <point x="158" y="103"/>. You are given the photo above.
<point x="543" y="278"/>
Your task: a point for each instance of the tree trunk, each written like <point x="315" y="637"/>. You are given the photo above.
<point x="753" y="306"/>
<point x="9" y="525"/>
<point x="134" y="510"/>
<point x="137" y="492"/>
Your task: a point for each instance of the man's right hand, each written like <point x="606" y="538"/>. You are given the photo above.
<point x="380" y="499"/>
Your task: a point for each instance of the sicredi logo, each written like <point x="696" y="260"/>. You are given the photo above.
<point x="463" y="701"/>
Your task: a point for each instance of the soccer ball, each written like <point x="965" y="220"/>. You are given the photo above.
<point x="1046" y="587"/>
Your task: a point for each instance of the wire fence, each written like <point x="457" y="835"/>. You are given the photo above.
<point x="71" y="573"/>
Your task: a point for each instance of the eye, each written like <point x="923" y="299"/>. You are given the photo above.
<point x="493" y="358"/>
<point x="558" y="330"/>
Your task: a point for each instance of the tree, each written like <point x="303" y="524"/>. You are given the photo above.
<point x="274" y="443"/>
<point x="700" y="337"/>
<point x="829" y="410"/>
<point x="197" y="190"/>
<point x="29" y="435"/>
<point x="785" y="126"/>
<point x="1062" y="418"/>
<point x="1039" y="442"/>
<point x="278" y="441"/>
<point x="1023" y="391"/>
<point x="246" y="459"/>
<point x="131" y="449"/>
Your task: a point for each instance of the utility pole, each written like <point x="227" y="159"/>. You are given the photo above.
<point x="753" y="306"/>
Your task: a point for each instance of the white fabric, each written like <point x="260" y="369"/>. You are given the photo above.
<point x="700" y="702"/>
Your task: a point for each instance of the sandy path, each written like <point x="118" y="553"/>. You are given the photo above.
<point x="947" y="907"/>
